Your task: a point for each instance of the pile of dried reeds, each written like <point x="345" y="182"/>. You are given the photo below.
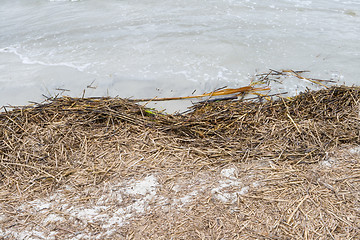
<point x="86" y="141"/>
<point x="300" y="129"/>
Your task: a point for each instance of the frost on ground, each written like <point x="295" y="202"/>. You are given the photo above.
<point x="112" y="205"/>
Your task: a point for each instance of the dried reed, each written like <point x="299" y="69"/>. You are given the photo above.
<point x="280" y="144"/>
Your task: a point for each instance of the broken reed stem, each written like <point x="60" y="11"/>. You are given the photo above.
<point x="307" y="79"/>
<point x="226" y="91"/>
<point x="96" y="146"/>
<point x="292" y="120"/>
<point x="296" y="209"/>
<point x="29" y="166"/>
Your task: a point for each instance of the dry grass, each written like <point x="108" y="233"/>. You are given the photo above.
<point x="292" y="173"/>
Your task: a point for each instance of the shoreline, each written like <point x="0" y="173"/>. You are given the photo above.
<point x="108" y="168"/>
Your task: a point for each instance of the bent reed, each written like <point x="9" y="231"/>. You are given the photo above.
<point x="284" y="142"/>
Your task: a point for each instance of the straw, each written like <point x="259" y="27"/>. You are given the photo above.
<point x="278" y="147"/>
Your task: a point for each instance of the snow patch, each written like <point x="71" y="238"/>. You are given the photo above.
<point x="53" y="218"/>
<point x="354" y="150"/>
<point x="146" y="186"/>
<point x="243" y="190"/>
<point x="86" y="214"/>
<point x="186" y="199"/>
<point x="228" y="173"/>
<point x="29" y="235"/>
<point x="329" y="162"/>
<point x="40" y="205"/>
<point x="176" y="188"/>
<point x="131" y="198"/>
<point x="229" y="187"/>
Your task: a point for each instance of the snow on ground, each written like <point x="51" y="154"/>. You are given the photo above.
<point x="58" y="209"/>
<point x="355" y="150"/>
<point x="228" y="181"/>
<point x="116" y="204"/>
<point x="106" y="207"/>
<point x="330" y="162"/>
